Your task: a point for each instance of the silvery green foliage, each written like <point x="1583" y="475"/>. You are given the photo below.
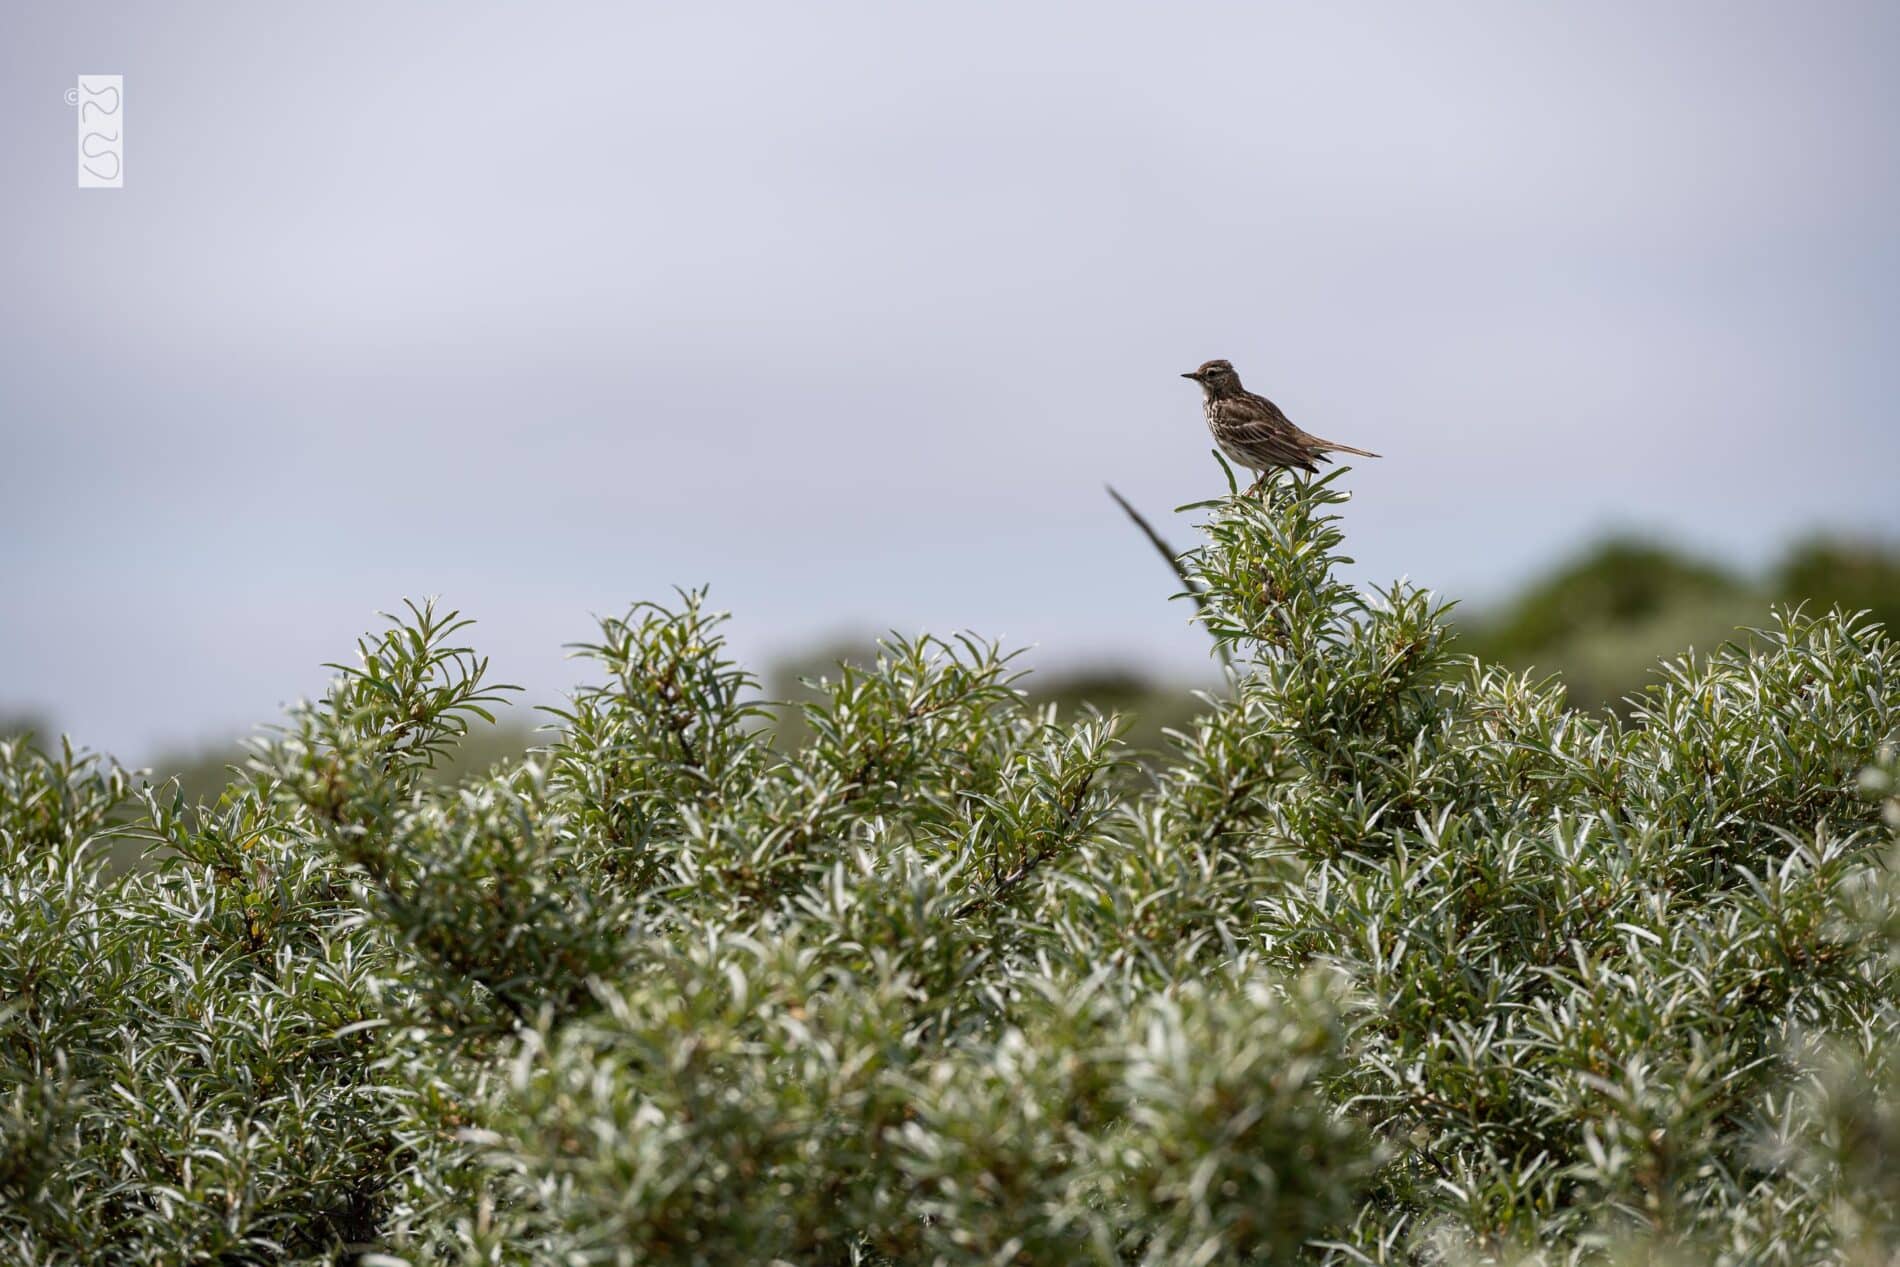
<point x="1391" y="957"/>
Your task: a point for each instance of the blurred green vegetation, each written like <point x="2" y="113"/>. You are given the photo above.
<point x="204" y="772"/>
<point x="14" y="725"/>
<point x="1152" y="704"/>
<point x="1602" y="619"/>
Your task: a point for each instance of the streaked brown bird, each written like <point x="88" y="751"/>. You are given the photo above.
<point x="1253" y="432"/>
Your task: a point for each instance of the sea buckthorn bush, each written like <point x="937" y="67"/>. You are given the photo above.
<point x="1391" y="956"/>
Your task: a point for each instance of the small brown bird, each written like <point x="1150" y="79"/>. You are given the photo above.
<point x="1253" y="432"/>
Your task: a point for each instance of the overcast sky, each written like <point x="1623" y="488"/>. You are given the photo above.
<point x="850" y="310"/>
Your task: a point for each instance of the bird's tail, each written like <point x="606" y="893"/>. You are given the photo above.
<point x="1334" y="446"/>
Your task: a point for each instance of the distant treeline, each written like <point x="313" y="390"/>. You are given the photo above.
<point x="1604" y="618"/>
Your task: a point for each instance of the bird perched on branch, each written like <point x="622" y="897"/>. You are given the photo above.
<point x="1253" y="432"/>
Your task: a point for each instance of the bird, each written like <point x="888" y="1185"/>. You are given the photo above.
<point x="1252" y="431"/>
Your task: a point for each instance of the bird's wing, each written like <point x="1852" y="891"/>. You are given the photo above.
<point x="1256" y="411"/>
<point x="1256" y="425"/>
<point x="1275" y="443"/>
<point x="1253" y="407"/>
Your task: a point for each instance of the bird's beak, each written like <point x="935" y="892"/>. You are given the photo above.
<point x="1192" y="374"/>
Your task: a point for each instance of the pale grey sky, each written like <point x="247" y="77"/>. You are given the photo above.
<point x="849" y="311"/>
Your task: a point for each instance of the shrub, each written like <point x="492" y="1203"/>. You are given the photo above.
<point x="1394" y="957"/>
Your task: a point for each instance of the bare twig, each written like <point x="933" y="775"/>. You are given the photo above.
<point x="1167" y="553"/>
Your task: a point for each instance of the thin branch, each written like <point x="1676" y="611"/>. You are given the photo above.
<point x="1168" y="555"/>
<point x="1071" y="811"/>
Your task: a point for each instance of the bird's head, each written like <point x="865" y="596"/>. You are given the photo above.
<point x="1217" y="377"/>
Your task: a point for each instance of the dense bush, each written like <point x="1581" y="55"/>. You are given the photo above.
<point x="1367" y="967"/>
